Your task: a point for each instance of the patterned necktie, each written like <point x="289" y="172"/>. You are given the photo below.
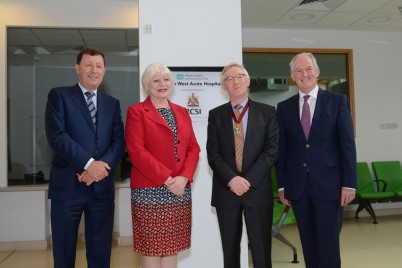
<point x="239" y="139"/>
<point x="306" y="117"/>
<point x="91" y="106"/>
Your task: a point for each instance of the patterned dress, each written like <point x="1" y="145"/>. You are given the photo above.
<point x="161" y="220"/>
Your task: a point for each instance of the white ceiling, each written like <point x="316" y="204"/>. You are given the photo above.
<point x="65" y="41"/>
<point x="361" y="15"/>
<point x="358" y="15"/>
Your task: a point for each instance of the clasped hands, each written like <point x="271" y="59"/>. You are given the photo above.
<point x="239" y="185"/>
<point x="176" y="185"/>
<point x="96" y="171"/>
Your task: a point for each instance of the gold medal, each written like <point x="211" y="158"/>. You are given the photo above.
<point x="238" y="128"/>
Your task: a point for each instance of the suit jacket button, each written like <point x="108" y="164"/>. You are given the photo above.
<point x="307" y="146"/>
<point x="178" y="142"/>
<point x="304" y="164"/>
<point x="178" y="160"/>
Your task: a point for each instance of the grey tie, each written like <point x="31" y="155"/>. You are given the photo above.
<point x="91" y="106"/>
<point x="306" y="117"/>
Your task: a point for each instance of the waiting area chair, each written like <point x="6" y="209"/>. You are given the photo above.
<point x="281" y="215"/>
<point x="391" y="172"/>
<point x="366" y="193"/>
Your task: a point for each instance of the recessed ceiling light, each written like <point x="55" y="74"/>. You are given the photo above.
<point x="40" y="50"/>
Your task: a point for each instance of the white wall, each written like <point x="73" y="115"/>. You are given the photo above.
<point x="28" y="207"/>
<point x="194" y="33"/>
<point x="377" y="60"/>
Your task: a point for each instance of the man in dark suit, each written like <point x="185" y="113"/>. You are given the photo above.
<point x="241" y="178"/>
<point x="317" y="162"/>
<point x="85" y="131"/>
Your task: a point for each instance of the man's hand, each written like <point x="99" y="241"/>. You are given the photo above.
<point x="98" y="170"/>
<point x="239" y="185"/>
<point x="283" y="199"/>
<point x="86" y="178"/>
<point x="347" y="196"/>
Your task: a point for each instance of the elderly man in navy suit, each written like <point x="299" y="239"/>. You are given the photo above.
<point x="85" y="130"/>
<point x="317" y="162"/>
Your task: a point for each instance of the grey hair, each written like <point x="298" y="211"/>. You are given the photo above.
<point x="230" y="65"/>
<point x="303" y="54"/>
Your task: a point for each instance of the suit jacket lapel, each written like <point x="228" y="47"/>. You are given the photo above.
<point x="78" y="98"/>
<point x="153" y="114"/>
<point x="250" y="125"/>
<point x="295" y="113"/>
<point x="100" y="109"/>
<point x="178" y="115"/>
<point x="228" y="123"/>
<point x="320" y="103"/>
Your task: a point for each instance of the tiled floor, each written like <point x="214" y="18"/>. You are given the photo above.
<point x="363" y="245"/>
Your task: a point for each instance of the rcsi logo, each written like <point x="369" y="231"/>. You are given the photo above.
<point x="193" y="105"/>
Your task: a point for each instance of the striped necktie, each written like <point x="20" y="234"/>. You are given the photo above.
<point x="239" y="139"/>
<point x="91" y="106"/>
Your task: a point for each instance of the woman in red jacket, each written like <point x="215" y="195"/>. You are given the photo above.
<point x="164" y="154"/>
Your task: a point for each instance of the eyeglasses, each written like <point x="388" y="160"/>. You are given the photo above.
<point x="230" y="79"/>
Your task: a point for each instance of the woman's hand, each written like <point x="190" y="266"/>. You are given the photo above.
<point x="178" y="185"/>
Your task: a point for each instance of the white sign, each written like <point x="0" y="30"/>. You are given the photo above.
<point x="198" y="89"/>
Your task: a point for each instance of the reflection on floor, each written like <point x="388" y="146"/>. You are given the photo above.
<point x="363" y="245"/>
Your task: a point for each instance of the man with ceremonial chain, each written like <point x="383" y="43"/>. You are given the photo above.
<point x="242" y="147"/>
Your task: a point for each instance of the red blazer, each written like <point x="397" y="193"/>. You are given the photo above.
<point x="149" y="142"/>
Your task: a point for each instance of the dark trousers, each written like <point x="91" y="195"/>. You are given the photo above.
<point x="319" y="223"/>
<point x="258" y="225"/>
<point x="65" y="219"/>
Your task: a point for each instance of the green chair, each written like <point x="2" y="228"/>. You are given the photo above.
<point x="281" y="215"/>
<point x="366" y="193"/>
<point x="391" y="172"/>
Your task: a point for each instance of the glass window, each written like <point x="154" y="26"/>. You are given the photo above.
<point x="270" y="80"/>
<point x="39" y="59"/>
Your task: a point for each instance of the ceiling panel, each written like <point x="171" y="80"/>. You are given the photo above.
<point x="348" y="18"/>
<point x="397" y="23"/>
<point x="366" y="15"/>
<point x="70" y="41"/>
<point x="377" y="20"/>
<point x="391" y="7"/>
<point x="349" y="15"/>
<point x="362" y="6"/>
<point x="302" y="17"/>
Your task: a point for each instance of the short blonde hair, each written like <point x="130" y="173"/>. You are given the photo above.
<point x="152" y="70"/>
